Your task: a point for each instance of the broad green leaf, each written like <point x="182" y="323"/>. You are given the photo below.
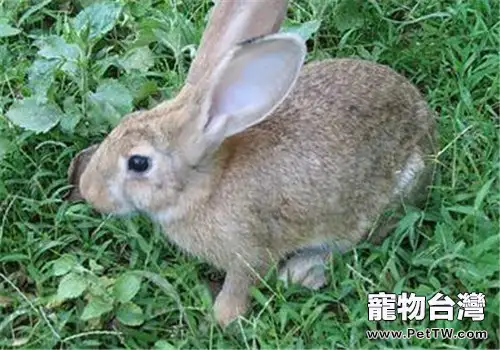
<point x="5" y="59"/>
<point x="4" y="146"/>
<point x="126" y="287"/>
<point x="140" y="59"/>
<point x="179" y="36"/>
<point x="41" y="76"/>
<point x="306" y="30"/>
<point x="130" y="314"/>
<point x="99" y="18"/>
<point x="101" y="286"/>
<point x="100" y="67"/>
<point x="94" y="266"/>
<point x="85" y="3"/>
<point x="71" y="286"/>
<point x="111" y="101"/>
<point x="34" y="115"/>
<point x="56" y="48"/>
<point x="145" y="31"/>
<point x="96" y="307"/>
<point x="140" y="86"/>
<point x="348" y="15"/>
<point x="72" y="115"/>
<point x="63" y="265"/>
<point x="6" y="29"/>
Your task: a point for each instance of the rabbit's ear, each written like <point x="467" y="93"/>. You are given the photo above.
<point x="248" y="84"/>
<point x="75" y="171"/>
<point x="232" y="22"/>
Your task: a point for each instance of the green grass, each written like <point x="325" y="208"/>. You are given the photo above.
<point x="50" y="248"/>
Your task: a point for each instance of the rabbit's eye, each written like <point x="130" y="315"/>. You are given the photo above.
<point x="139" y="164"/>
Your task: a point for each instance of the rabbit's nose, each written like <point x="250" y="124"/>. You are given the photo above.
<point x="94" y="193"/>
<point x="99" y="199"/>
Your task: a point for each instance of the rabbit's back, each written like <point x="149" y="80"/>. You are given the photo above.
<point x="330" y="157"/>
<point x="350" y="102"/>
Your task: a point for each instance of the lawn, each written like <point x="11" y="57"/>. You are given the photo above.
<point x="71" y="278"/>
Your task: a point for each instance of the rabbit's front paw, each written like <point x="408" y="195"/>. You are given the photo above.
<point x="309" y="271"/>
<point x="228" y="307"/>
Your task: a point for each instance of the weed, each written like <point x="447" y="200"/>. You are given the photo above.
<point x="69" y="70"/>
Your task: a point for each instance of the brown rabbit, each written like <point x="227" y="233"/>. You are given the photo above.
<point x="263" y="158"/>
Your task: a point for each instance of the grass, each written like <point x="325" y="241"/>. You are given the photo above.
<point x="61" y="264"/>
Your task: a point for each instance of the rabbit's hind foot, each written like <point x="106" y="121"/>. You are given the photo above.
<point x="306" y="267"/>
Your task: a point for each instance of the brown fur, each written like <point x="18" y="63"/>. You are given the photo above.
<point x="321" y="168"/>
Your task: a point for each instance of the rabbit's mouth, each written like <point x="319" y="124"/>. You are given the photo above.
<point x="100" y="203"/>
<point x="110" y="207"/>
<point x="104" y="196"/>
<point x="109" y="199"/>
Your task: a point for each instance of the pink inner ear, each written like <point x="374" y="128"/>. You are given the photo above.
<point x="234" y="99"/>
<point x="250" y="82"/>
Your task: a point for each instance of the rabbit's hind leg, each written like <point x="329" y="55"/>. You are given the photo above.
<point x="306" y="267"/>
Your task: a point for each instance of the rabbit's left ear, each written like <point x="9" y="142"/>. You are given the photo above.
<point x="230" y="23"/>
<point x="251" y="82"/>
<point x="248" y="84"/>
<point x="75" y="171"/>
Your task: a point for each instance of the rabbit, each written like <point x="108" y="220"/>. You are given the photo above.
<point x="267" y="159"/>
